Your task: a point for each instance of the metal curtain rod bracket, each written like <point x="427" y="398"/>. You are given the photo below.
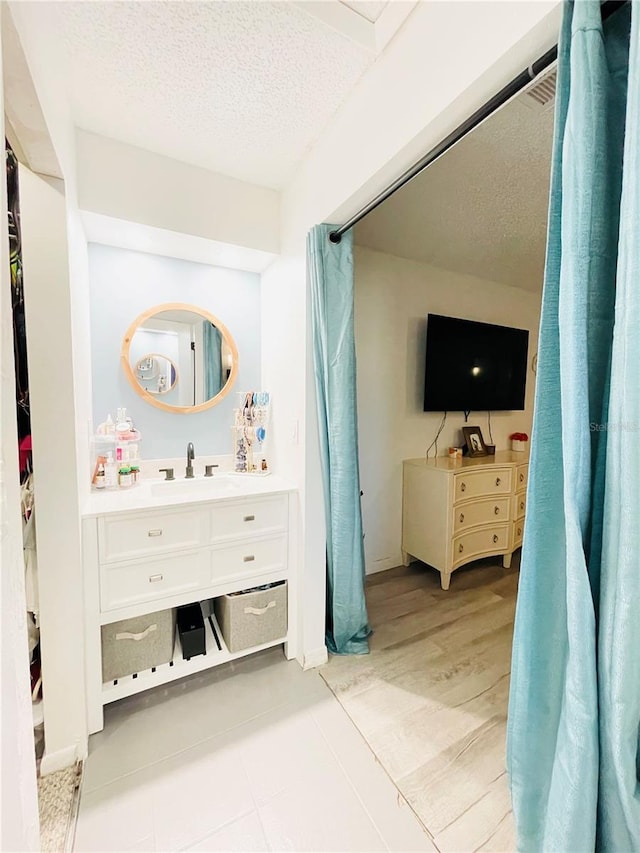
<point x="498" y="100"/>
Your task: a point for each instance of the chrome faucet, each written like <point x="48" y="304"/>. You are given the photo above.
<point x="190" y="457"/>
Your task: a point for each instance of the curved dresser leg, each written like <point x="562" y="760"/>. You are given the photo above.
<point x="445" y="579"/>
<point x="506" y="560"/>
<point x="406" y="559"/>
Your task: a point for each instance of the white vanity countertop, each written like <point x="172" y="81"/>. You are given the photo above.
<point x="152" y="494"/>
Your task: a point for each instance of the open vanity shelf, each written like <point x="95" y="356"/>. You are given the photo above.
<point x="150" y="553"/>
<point x="217" y="653"/>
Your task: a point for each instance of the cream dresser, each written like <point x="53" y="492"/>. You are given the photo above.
<point x="457" y="511"/>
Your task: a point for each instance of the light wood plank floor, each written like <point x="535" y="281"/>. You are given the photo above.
<point x="431" y="697"/>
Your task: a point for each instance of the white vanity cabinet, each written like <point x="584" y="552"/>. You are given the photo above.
<point x="457" y="511"/>
<point x="139" y="559"/>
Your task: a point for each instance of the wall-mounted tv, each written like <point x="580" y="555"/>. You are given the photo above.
<point x="474" y="366"/>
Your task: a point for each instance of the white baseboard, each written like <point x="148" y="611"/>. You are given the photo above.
<point x="53" y="761"/>
<point x="383" y="565"/>
<point x="318" y="657"/>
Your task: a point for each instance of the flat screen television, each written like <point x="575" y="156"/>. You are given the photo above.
<point x="474" y="366"/>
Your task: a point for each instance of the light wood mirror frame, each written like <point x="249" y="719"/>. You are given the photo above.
<point x="153" y="399"/>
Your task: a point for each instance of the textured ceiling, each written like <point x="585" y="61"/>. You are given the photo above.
<point x="481" y="209"/>
<point x="243" y="88"/>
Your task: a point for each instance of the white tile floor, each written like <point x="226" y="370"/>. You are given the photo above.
<point x="254" y="755"/>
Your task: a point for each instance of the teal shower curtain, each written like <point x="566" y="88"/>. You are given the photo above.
<point x="330" y="270"/>
<point x="212" y="356"/>
<point x="574" y="712"/>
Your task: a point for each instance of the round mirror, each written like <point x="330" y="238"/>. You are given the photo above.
<point x="179" y="358"/>
<point x="156" y="373"/>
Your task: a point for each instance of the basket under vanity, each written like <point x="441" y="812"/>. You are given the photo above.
<point x="458" y="511"/>
<point x="148" y="551"/>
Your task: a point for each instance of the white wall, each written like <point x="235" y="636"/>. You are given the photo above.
<point x="48" y="317"/>
<point x="129" y="183"/>
<point x="446" y="60"/>
<point x="18" y="797"/>
<point x="392" y="299"/>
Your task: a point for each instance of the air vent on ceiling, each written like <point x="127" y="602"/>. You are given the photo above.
<point x="542" y="92"/>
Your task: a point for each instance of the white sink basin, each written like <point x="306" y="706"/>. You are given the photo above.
<point x="216" y="485"/>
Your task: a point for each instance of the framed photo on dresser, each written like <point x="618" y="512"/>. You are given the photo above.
<point x="474" y="441"/>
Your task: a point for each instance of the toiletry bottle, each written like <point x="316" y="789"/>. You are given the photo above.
<point x="124" y="477"/>
<point x="135" y="474"/>
<point x="110" y="472"/>
<point x="100" y="477"/>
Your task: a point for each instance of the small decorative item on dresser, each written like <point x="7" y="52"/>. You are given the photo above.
<point x="455" y="453"/>
<point x="519" y="441"/>
<point x="475" y="441"/>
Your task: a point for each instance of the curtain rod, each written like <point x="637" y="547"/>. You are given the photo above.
<point x="498" y="100"/>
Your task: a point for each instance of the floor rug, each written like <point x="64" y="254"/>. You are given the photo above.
<point x="58" y="797"/>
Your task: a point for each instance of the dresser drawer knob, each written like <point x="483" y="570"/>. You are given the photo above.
<point x="460" y="548"/>
<point x="522" y="478"/>
<point x="157" y="532"/>
<point x="248" y="559"/>
<point x="461" y="517"/>
<point x="155" y="578"/>
<point x="521" y="504"/>
<point x="249" y="518"/>
<point x="519" y="531"/>
<point x="498" y="481"/>
<point x="495" y="538"/>
<point x="496" y="510"/>
<point x="463" y="487"/>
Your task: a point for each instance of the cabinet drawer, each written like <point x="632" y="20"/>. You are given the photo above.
<point x="475" y="484"/>
<point x="123" y="584"/>
<point x="127" y="537"/>
<point x="518" y="532"/>
<point x="478" y="543"/>
<point x="519" y="505"/>
<point x="484" y="512"/>
<point x="249" y="558"/>
<point x="253" y="516"/>
<point x="522" y="475"/>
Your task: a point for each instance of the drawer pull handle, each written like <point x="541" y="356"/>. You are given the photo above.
<point x="519" y="531"/>
<point x="460" y="548"/>
<point x="249" y="518"/>
<point x="248" y="559"/>
<point x="522" y="478"/>
<point x="496" y="510"/>
<point x="463" y="487"/>
<point x="155" y="578"/>
<point x="157" y="532"/>
<point x="258" y="611"/>
<point x="461" y="517"/>
<point x="498" y="481"/>
<point x="495" y="537"/>
<point x="521" y="504"/>
<point x="127" y="635"/>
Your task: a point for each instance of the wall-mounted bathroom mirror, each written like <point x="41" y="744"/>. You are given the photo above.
<point x="179" y="358"/>
<point x="156" y="373"/>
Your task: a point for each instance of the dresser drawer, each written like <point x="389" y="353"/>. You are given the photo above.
<point x="248" y="558"/>
<point x="478" y="543"/>
<point x="124" y="584"/>
<point x="518" y="532"/>
<point x="473" y="513"/>
<point x="519" y="505"/>
<point x="522" y="475"/>
<point x="475" y="484"/>
<point x="257" y="516"/>
<point x="130" y="536"/>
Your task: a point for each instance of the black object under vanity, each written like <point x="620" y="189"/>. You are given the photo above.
<point x="190" y="624"/>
